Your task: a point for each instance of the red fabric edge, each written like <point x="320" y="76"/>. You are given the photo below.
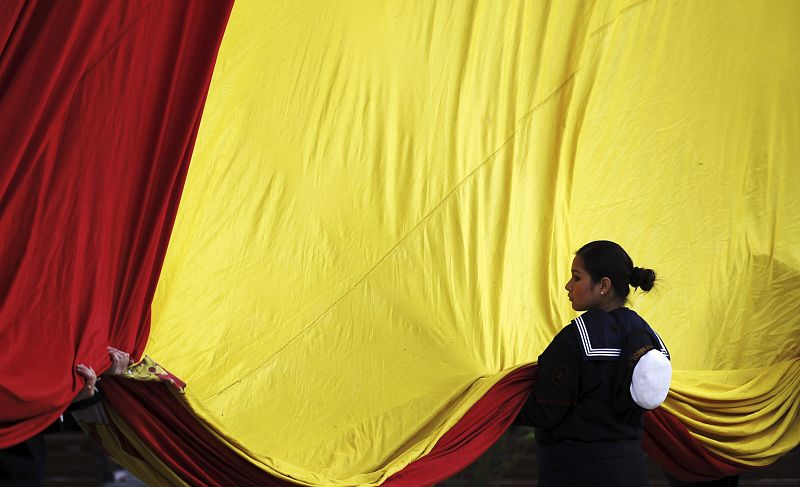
<point x="98" y="99"/>
<point x="180" y="439"/>
<point x="173" y="433"/>
<point x="474" y="433"/>
<point x="667" y="441"/>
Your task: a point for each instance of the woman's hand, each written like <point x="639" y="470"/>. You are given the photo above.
<point x="119" y="362"/>
<point x="90" y="379"/>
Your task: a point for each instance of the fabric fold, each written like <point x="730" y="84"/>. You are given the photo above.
<point x="100" y="104"/>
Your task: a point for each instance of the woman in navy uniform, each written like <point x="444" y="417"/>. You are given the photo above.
<point x="597" y="377"/>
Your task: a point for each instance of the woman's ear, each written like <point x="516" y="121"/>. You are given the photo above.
<point x="605" y="285"/>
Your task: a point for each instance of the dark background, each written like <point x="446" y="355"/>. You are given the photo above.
<point x="74" y="461"/>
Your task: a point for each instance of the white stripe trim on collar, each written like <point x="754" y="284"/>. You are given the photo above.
<point x="605" y="352"/>
<point x="587" y="344"/>
<point x="660" y="342"/>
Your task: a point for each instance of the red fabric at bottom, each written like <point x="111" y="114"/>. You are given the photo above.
<point x="474" y="433"/>
<point x="667" y="441"/>
<point x="171" y="431"/>
<point x="174" y="434"/>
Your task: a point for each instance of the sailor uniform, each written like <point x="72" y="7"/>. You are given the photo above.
<point x="588" y="422"/>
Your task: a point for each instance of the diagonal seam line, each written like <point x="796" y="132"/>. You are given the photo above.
<point x="422" y="220"/>
<point x="549" y="97"/>
<point x="617" y="16"/>
<point x="443" y="200"/>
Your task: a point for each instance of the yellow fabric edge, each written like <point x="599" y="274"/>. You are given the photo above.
<point x="706" y="418"/>
<point x="298" y="476"/>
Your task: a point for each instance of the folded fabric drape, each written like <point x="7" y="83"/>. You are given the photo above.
<point x="397" y="235"/>
<point x="746" y="416"/>
<point x="378" y="221"/>
<point x="175" y="436"/>
<point x="100" y="104"/>
<point x="163" y="427"/>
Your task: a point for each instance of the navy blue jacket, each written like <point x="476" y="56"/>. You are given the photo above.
<point x="581" y="406"/>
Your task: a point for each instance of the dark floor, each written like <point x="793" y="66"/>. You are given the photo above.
<point x="74" y="461"/>
<point x="512" y="460"/>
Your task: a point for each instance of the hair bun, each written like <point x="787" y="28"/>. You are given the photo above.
<point x="643" y="278"/>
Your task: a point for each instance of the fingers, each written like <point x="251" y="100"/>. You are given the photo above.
<point x="86" y="372"/>
<point x="118" y="353"/>
<point x="89" y="378"/>
<point x="119" y="365"/>
<point x="119" y="361"/>
<point x="126" y="355"/>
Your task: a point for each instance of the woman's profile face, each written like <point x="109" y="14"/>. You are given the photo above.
<point x="580" y="290"/>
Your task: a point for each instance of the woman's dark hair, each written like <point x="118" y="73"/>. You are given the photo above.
<point x="603" y="258"/>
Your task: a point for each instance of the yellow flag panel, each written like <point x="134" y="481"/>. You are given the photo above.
<point x="384" y="200"/>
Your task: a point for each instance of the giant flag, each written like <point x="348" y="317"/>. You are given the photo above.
<point x="378" y="219"/>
